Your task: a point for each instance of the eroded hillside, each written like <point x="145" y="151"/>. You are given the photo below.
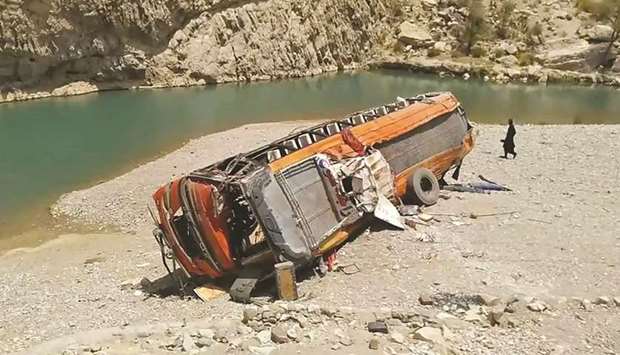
<point x="49" y="43"/>
<point x="56" y="48"/>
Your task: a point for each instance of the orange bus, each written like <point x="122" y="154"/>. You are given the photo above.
<point x="302" y="196"/>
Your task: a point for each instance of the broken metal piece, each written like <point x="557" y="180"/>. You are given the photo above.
<point x="387" y="212"/>
<point x="242" y="287"/>
<point x="408" y="210"/>
<point x="378" y="327"/>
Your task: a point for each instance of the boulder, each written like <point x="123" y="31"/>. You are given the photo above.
<point x="599" y="33"/>
<point x="508" y="60"/>
<point x="430" y="4"/>
<point x="442" y="47"/>
<point x="414" y="35"/>
<point x="508" y="48"/>
<point x="575" y="55"/>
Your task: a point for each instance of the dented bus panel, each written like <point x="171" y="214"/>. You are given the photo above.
<point x="304" y="195"/>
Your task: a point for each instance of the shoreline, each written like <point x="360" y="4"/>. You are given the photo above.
<point x="488" y="72"/>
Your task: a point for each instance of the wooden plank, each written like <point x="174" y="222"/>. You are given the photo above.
<point x="286" y="281"/>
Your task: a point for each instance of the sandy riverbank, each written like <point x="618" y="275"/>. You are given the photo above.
<point x="562" y="241"/>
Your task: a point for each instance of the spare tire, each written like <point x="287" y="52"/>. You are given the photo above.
<point x="423" y="187"/>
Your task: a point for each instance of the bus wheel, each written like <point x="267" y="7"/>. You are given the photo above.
<point x="423" y="187"/>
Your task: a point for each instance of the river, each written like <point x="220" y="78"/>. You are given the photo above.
<point x="52" y="146"/>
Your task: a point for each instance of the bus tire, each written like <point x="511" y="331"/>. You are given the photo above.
<point x="423" y="187"/>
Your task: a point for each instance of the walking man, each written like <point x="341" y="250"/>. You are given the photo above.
<point x="509" y="141"/>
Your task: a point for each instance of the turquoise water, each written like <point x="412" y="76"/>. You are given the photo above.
<point x="49" y="147"/>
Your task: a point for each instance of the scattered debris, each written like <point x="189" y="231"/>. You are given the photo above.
<point x="426" y="237"/>
<point x="97" y="259"/>
<point x="209" y="292"/>
<point x="349" y="269"/>
<point x="378" y="327"/>
<point x="484" y="187"/>
<point x="425" y="299"/>
<point x="425" y="217"/>
<point x="373" y="344"/>
<point x="472" y="254"/>
<point x="478" y="215"/>
<point x="409" y="210"/>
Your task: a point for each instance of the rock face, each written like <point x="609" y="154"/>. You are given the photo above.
<point x="49" y="43"/>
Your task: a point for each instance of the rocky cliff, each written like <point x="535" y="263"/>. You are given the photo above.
<point x="63" y="47"/>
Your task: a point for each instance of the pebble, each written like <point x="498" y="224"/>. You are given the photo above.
<point x="425" y="217"/>
<point x="143" y="334"/>
<point x="603" y="300"/>
<point x="293" y="333"/>
<point x="537" y="306"/>
<point x="489" y="300"/>
<point x="373" y="344"/>
<point x="346" y="341"/>
<point x="249" y="313"/>
<point x="279" y="334"/>
<point x="397" y="338"/>
<point x="586" y="305"/>
<point x="496" y="314"/>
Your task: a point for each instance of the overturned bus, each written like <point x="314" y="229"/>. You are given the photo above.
<point x="301" y="197"/>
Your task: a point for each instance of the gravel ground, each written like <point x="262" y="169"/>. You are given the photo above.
<point x="557" y="243"/>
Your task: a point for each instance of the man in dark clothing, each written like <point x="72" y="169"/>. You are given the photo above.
<point x="509" y="141"/>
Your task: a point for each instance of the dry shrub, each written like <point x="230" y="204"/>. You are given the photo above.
<point x="526" y="58"/>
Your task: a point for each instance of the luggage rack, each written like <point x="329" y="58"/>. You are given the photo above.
<point x="317" y="133"/>
<point x="281" y="148"/>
